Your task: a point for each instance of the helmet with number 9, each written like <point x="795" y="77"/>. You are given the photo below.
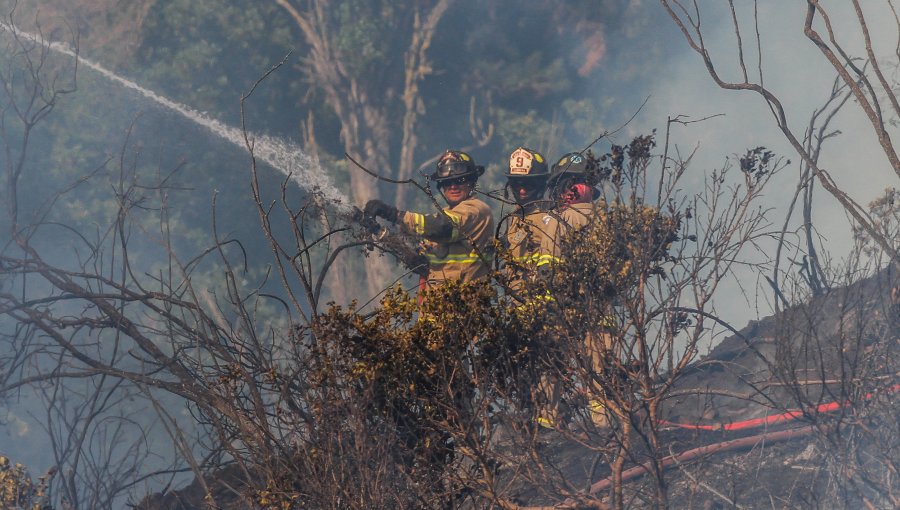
<point x="527" y="163"/>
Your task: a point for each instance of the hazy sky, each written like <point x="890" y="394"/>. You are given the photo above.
<point x="800" y="76"/>
<point x="797" y="72"/>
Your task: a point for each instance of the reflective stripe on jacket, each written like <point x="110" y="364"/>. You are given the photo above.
<point x="464" y="250"/>
<point x="530" y="240"/>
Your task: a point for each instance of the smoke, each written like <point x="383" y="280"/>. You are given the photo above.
<point x="797" y="72"/>
<point x="280" y="154"/>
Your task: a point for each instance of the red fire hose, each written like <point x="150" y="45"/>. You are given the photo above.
<point x="423" y="285"/>
<point x="734" y="444"/>
<point x="773" y="419"/>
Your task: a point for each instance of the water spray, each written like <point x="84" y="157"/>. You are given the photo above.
<point x="284" y="156"/>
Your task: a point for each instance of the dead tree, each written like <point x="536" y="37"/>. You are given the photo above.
<point x="862" y="75"/>
<point x="837" y="332"/>
<point x="365" y="104"/>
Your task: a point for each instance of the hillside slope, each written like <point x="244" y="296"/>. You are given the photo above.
<point x="798" y="410"/>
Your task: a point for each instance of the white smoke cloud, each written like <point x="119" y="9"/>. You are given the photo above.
<point x="15" y="426"/>
<point x="796" y="71"/>
<point x="799" y="75"/>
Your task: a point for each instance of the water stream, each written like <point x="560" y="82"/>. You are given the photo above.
<point x="283" y="155"/>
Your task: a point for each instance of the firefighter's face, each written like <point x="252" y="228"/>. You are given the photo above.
<point x="457" y="190"/>
<point x="526" y="190"/>
<point x="572" y="191"/>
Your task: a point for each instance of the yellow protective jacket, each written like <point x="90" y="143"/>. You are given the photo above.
<point x="572" y="218"/>
<point x="464" y="251"/>
<point x="535" y="239"/>
<point x="530" y="237"/>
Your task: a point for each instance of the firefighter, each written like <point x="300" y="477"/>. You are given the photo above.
<point x="529" y="232"/>
<point x="572" y="191"/>
<point x="458" y="241"/>
<point x="529" y="239"/>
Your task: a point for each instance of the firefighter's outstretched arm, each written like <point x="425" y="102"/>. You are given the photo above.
<point x="435" y="226"/>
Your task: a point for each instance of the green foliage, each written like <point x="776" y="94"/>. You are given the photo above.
<point x="420" y="361"/>
<point x="533" y="75"/>
<point x="626" y="242"/>
<point x="364" y="30"/>
<point x="582" y="118"/>
<point x="17" y="489"/>
<point x="206" y="54"/>
<point x="517" y="129"/>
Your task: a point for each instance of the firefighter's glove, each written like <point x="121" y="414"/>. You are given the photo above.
<point x="377" y="208"/>
<point x="371" y="226"/>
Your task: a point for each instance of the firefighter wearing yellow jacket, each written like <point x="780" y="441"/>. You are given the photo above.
<point x="458" y="240"/>
<point x="572" y="194"/>
<point x="530" y="236"/>
<point x="571" y="190"/>
<point x="530" y="230"/>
